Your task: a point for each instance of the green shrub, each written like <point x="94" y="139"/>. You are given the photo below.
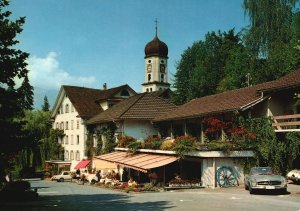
<point x="184" y="145"/>
<point x="134" y="146"/>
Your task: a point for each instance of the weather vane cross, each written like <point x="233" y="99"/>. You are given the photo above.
<point x="156" y="22"/>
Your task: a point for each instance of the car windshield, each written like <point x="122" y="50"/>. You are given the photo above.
<point x="262" y="170"/>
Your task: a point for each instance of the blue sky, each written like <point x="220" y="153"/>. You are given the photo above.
<point x="88" y="43"/>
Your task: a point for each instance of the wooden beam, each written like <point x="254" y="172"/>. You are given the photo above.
<point x="286" y="116"/>
<point x="286" y="123"/>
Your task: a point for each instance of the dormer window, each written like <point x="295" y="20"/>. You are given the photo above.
<point x="125" y="93"/>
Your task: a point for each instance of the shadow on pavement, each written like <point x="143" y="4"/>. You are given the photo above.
<point x="118" y="202"/>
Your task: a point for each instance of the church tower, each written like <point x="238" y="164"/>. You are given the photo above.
<point x="156" y="65"/>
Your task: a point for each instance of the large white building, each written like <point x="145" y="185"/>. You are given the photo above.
<point x="74" y="106"/>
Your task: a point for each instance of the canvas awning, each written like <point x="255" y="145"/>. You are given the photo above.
<point x="82" y="164"/>
<point x="141" y="161"/>
<point x="103" y="165"/>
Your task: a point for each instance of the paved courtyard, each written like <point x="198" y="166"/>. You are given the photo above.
<point x="71" y="196"/>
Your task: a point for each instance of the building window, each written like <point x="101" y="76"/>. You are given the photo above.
<point x="61" y="109"/>
<point x="147" y="90"/>
<point x="77" y="140"/>
<point x="67" y="155"/>
<point x="94" y="141"/>
<point x="77" y="155"/>
<point x="77" y="124"/>
<point x="150" y="89"/>
<point x="162" y="77"/>
<point x="72" y="141"/>
<point x="62" y="125"/>
<point x="67" y="125"/>
<point x="57" y="125"/>
<point x="72" y="155"/>
<point x="162" y="68"/>
<point x="67" y="108"/>
<point x="149" y="77"/>
<point x="72" y="108"/>
<point x="67" y="140"/>
<point x="72" y="124"/>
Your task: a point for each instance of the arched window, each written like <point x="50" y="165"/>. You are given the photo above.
<point x="77" y="155"/>
<point x="72" y="155"/>
<point x="162" y="78"/>
<point x="150" y="89"/>
<point x="67" y="155"/>
<point x="61" y="109"/>
<point x="72" y="141"/>
<point x="61" y="125"/>
<point x="67" y="108"/>
<point x="67" y="140"/>
<point x="57" y="125"/>
<point x="72" y="108"/>
<point x="95" y="141"/>
<point x="67" y="125"/>
<point x="149" y="77"/>
<point x="147" y="90"/>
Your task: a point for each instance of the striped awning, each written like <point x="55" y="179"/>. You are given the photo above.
<point x="141" y="161"/>
<point x="82" y="164"/>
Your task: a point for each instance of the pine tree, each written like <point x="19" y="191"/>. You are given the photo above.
<point x="46" y="105"/>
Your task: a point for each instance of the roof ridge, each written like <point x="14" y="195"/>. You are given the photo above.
<point x="164" y="99"/>
<point x="142" y="95"/>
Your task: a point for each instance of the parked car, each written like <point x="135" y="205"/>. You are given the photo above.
<point x="64" y="175"/>
<point x="263" y="178"/>
<point x="294" y="175"/>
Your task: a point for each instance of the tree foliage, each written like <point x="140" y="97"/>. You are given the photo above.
<point x="271" y="37"/>
<point x="14" y="98"/>
<point x="265" y="50"/>
<point x="46" y="105"/>
<point x="203" y="65"/>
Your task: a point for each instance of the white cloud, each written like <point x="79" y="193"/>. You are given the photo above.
<point x="46" y="73"/>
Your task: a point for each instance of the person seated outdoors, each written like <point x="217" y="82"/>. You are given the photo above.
<point x="131" y="182"/>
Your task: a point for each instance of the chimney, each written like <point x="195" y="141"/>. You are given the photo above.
<point x="104" y="86"/>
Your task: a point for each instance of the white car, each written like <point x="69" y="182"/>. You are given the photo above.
<point x="294" y="175"/>
<point x="64" y="175"/>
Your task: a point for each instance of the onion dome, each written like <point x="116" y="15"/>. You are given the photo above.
<point x="156" y="48"/>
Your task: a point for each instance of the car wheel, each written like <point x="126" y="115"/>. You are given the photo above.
<point x="246" y="187"/>
<point x="61" y="180"/>
<point x="251" y="191"/>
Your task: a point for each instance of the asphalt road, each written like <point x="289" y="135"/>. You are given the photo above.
<point x="71" y="196"/>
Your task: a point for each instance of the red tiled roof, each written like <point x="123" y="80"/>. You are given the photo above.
<point x="229" y="101"/>
<point x="290" y="80"/>
<point x="84" y="99"/>
<point x="143" y="106"/>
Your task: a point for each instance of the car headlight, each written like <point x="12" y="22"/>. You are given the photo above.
<point x="253" y="182"/>
<point x="283" y="181"/>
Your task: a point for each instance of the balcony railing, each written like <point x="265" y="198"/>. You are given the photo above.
<point x="286" y="123"/>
